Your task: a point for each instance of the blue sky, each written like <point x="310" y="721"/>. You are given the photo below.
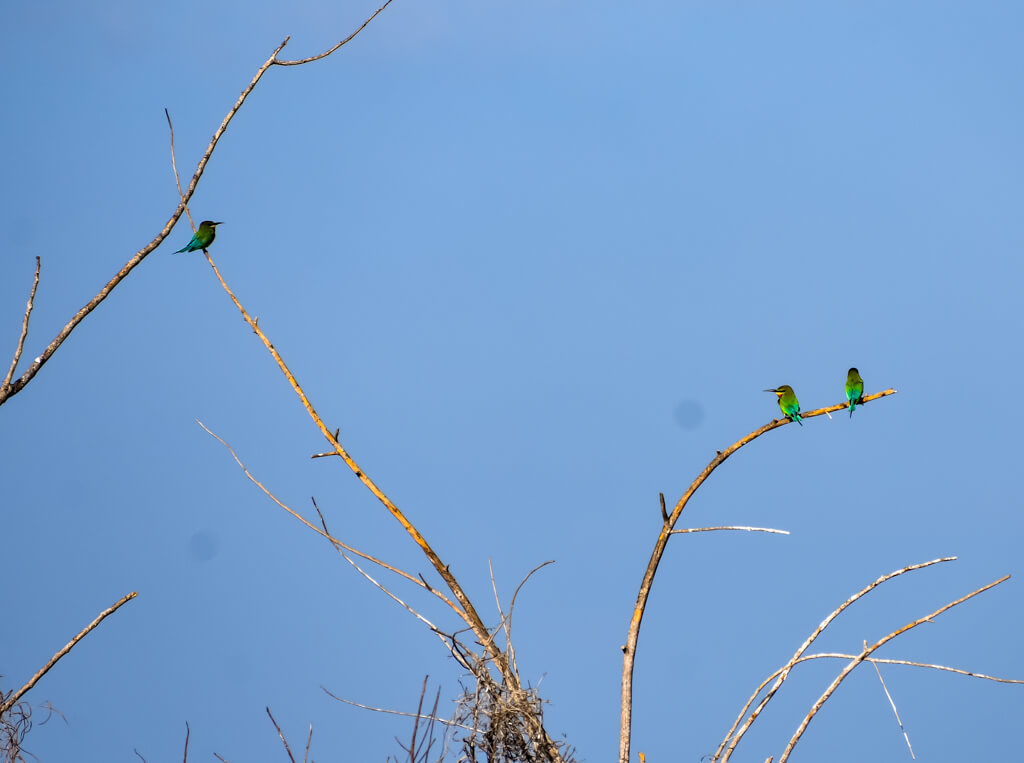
<point x="537" y="262"/>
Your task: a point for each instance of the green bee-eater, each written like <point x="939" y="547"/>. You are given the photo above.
<point x="854" y="389"/>
<point x="202" y="238"/>
<point x="788" y="403"/>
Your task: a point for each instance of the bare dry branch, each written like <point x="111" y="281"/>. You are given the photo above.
<point x="633" y="634"/>
<point x="24" y="333"/>
<point x="893" y="704"/>
<point x="338" y="45"/>
<point x="866" y="653"/>
<point x="782" y="674"/>
<point x="188" y="732"/>
<point x="174" y="167"/>
<point x="13" y="699"/>
<point x="731" y="527"/>
<point x="911" y="663"/>
<point x="445" y="721"/>
<point x="284" y="741"/>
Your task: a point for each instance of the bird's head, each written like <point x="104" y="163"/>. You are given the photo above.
<point x="853" y="372"/>
<point x="209" y="224"/>
<point x="780" y="391"/>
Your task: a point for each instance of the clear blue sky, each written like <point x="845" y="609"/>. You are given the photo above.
<point x="537" y="261"/>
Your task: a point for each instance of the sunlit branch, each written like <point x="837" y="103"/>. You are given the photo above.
<point x="668" y="523"/>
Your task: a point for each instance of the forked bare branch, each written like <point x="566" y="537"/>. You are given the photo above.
<point x="732" y="738"/>
<point x="9" y="390"/>
<point x="866" y="653"/>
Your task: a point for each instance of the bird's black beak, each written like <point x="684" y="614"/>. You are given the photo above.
<point x="218" y="223"/>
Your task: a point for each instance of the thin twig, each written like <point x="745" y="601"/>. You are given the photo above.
<point x="287" y="749"/>
<point x="337" y="543"/>
<point x="866" y="653"/>
<point x="188" y="731"/>
<point x="506" y="618"/>
<point x="731" y="527"/>
<point x="893" y="703"/>
<point x="331" y="50"/>
<point x="911" y="663"/>
<point x="309" y="741"/>
<point x="177" y="178"/>
<point x="24" y="333"/>
<point x="633" y="634"/>
<point x="505" y="624"/>
<point x="416" y="722"/>
<point x="782" y="674"/>
<point x="13" y="699"/>
<point x="445" y="721"/>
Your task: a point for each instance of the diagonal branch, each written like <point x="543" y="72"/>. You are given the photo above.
<point x="469" y="613"/>
<point x="629" y="649"/>
<point x="287" y="749"/>
<point x="868" y="650"/>
<point x="335" y="47"/>
<point x="24" y="333"/>
<point x="13" y="699"/>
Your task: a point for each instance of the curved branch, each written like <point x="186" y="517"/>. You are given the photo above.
<point x="629" y="649"/>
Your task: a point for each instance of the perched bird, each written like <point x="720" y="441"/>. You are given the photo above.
<point x="202" y="238"/>
<point x="788" y="403"/>
<point x="854" y="389"/>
